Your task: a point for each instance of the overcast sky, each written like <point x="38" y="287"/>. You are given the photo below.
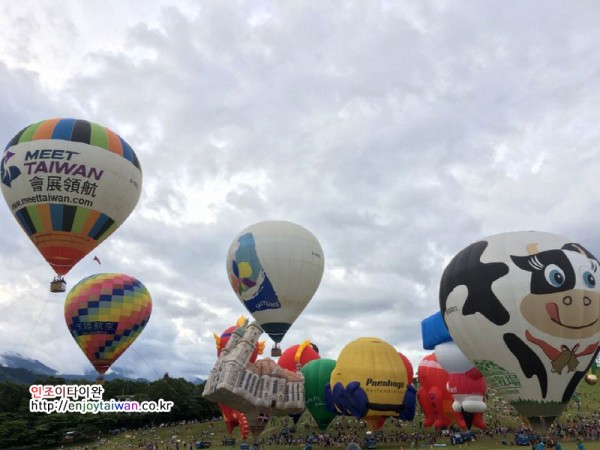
<point x="396" y="132"/>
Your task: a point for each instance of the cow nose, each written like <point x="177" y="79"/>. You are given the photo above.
<point x="568" y="300"/>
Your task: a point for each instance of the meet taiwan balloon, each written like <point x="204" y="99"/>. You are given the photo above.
<point x="105" y="314"/>
<point x="524" y="307"/>
<point x="275" y="268"/>
<point x="69" y="184"/>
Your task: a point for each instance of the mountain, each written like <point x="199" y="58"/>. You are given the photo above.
<point x="23" y="370"/>
<point x="16" y="361"/>
<point x="196" y="380"/>
<point x="18" y="375"/>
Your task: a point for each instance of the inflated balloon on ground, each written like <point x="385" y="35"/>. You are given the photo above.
<point x="232" y="417"/>
<point x="370" y="381"/>
<point x="297" y="356"/>
<point x="434" y="397"/>
<point x="524" y="307"/>
<point x="317" y="374"/>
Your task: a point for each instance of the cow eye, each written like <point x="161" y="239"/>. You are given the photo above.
<point x="589" y="279"/>
<point x="554" y="275"/>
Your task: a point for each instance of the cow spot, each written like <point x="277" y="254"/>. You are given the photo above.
<point x="573" y="314"/>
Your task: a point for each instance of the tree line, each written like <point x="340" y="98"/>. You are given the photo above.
<point x="20" y="427"/>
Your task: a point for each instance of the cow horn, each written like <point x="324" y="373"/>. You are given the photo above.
<point x="532" y="248"/>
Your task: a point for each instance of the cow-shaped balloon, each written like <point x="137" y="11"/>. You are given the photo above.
<point x="524" y="307"/>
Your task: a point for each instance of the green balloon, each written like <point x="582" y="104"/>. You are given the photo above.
<point x="316" y="375"/>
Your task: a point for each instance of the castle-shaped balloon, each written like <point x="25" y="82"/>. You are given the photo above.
<point x="261" y="387"/>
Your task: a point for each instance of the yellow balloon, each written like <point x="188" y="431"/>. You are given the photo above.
<point x="380" y="373"/>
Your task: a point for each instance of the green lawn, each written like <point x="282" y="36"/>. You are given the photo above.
<point x="498" y="414"/>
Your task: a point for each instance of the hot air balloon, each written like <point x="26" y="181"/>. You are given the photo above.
<point x="296" y="357"/>
<point x="524" y="307"/>
<point x="221" y="341"/>
<point x="232" y="417"/>
<point x="69" y="184"/>
<point x="275" y="268"/>
<point x="369" y="381"/>
<point x="317" y="374"/>
<point x="434" y="397"/>
<point x="465" y="383"/>
<point x="260" y="389"/>
<point x="410" y="372"/>
<point x="105" y="314"/>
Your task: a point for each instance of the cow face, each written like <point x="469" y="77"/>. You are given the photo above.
<point x="565" y="293"/>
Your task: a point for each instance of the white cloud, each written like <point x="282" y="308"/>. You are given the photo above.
<point x="397" y="133"/>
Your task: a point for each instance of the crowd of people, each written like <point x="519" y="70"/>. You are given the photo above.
<point x="570" y="427"/>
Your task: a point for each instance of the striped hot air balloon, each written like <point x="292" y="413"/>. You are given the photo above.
<point x="69" y="184"/>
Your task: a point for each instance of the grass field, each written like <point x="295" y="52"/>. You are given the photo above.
<point x="585" y="404"/>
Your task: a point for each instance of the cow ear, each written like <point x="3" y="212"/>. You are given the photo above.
<point x="523" y="262"/>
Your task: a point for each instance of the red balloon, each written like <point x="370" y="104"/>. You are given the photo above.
<point x="297" y="354"/>
<point x="374" y="423"/>
<point x="234" y="419"/>
<point x="433" y="396"/>
<point x="410" y="373"/>
<point x="468" y="390"/>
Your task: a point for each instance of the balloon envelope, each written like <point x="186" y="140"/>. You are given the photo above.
<point x="369" y="379"/>
<point x="234" y="419"/>
<point x="275" y="268"/>
<point x="299" y="354"/>
<point x="70" y="184"/>
<point x="222" y="340"/>
<point x="524" y="307"/>
<point x="452" y="359"/>
<point x="409" y="368"/>
<point x="106" y="313"/>
<point x="433" y="395"/>
<point x="316" y="376"/>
